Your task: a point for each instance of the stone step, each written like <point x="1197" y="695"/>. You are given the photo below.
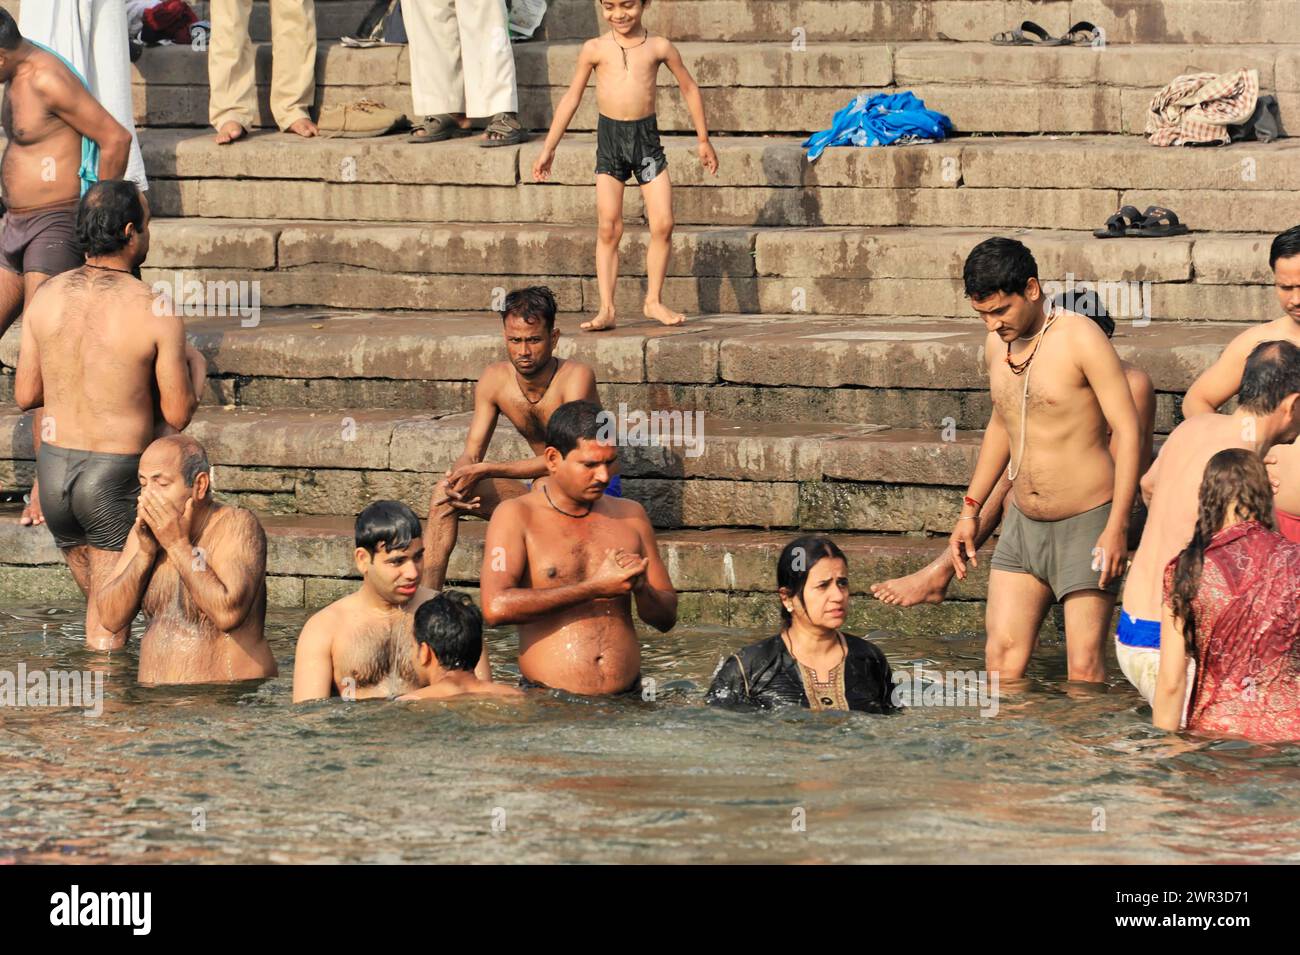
<point x="768" y="88"/>
<point x="894" y="371"/>
<point x="334" y="18"/>
<point x="764" y="270"/>
<point x="708" y="472"/>
<point x="924" y="378"/>
<point x="791" y="21"/>
<point x="724" y="577"/>
<point x="1025" y="182"/>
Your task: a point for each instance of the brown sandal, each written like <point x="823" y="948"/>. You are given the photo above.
<point x="505" y="127"/>
<point x="435" y="129"/>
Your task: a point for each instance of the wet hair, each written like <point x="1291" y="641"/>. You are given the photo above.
<point x="572" y="422"/>
<point x="1272" y="372"/>
<point x="1234" y="478"/>
<point x="390" y="523"/>
<point x="1088" y="304"/>
<point x="452" y="627"/>
<point x="102" y="217"/>
<point x="533" y="304"/>
<point x="194" y="461"/>
<point x="10" y="36"/>
<point x="798" y="558"/>
<point x="998" y="265"/>
<point x="1285" y="245"/>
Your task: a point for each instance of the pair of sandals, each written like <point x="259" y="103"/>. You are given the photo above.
<point x="1030" y="33"/>
<point x="503" y="130"/>
<point x="1156" y="223"/>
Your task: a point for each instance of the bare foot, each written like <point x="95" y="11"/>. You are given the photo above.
<point x="32" y="514"/>
<point x="605" y="320"/>
<point x="663" y="314"/>
<point x="229" y="132"/>
<point x="928" y="585"/>
<point x="303" y="127"/>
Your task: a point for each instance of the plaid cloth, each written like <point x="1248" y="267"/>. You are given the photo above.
<point x="1199" y="107"/>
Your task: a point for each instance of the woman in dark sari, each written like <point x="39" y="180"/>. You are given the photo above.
<point x="811" y="662"/>
<point x="1232" y="602"/>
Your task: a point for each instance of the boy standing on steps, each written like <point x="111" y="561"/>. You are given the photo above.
<point x="626" y="62"/>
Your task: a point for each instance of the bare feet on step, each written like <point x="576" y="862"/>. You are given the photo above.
<point x="303" y="127"/>
<point x="663" y="314"/>
<point x="605" y="320"/>
<point x="32" y="515"/>
<point x="928" y="585"/>
<point x="229" y="132"/>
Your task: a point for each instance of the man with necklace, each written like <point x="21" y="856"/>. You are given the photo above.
<point x="566" y="562"/>
<point x="1057" y="387"/>
<point x="526" y="389"/>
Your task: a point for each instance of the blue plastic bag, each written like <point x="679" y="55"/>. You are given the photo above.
<point x="880" y="120"/>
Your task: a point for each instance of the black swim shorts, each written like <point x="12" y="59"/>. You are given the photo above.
<point x="42" y="239"/>
<point x="88" y="497"/>
<point x="629" y="147"/>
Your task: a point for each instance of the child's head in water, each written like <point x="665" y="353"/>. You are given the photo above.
<point x="448" y="634"/>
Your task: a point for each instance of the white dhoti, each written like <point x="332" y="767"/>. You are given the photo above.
<point x="91" y="35"/>
<point x="461" y="59"/>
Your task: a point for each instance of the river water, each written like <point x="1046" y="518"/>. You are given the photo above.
<point x="239" y="774"/>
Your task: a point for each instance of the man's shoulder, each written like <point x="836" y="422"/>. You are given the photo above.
<point x="241" y="520"/>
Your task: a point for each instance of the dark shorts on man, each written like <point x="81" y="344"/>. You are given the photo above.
<point x="41" y="239"/>
<point x="88" y="497"/>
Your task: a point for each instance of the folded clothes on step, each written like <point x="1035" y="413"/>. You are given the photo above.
<point x="885" y="119"/>
<point x="1198" y="108"/>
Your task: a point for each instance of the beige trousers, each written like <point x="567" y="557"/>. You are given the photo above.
<point x="461" y="60"/>
<point x="233" y="93"/>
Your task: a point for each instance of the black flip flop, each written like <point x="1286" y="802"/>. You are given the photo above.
<point x="1082" y="33"/>
<point x="1029" y="34"/>
<point x="1120" y="224"/>
<point x="1158" y="223"/>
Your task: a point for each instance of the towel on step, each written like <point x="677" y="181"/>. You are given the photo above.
<point x="1198" y="108"/>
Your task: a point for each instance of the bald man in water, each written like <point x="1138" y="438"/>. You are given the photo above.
<point x="198" y="570"/>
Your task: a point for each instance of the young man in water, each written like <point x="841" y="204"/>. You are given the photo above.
<point x="448" y="638"/>
<point x="360" y="646"/>
<point x="1268" y="414"/>
<point x="566" y="561"/>
<point x="929" y="585"/>
<point x="198" y="570"/>
<point x="1058" y="388"/>
<point x="526" y="389"/>
<point x="1222" y="380"/>
<point x="112" y="371"/>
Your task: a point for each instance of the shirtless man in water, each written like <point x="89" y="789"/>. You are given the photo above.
<point x="48" y="116"/>
<point x="198" y="570"/>
<point x="1222" y="380"/>
<point x="1057" y="387"/>
<point x="566" y="561"/>
<point x="112" y="371"/>
<point x="361" y="646"/>
<point x="526" y="389"/>
<point x="1268" y="414"/>
<point x="929" y="585"/>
